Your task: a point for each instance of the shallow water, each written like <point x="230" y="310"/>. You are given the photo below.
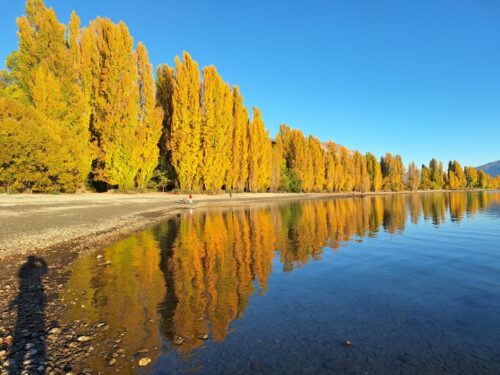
<point x="413" y="281"/>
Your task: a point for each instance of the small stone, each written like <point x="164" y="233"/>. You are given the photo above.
<point x="40" y="368"/>
<point x="55" y="331"/>
<point x="8" y="340"/>
<point x="143" y="362"/>
<point x="203" y="337"/>
<point x="83" y="338"/>
<point x="112" y="362"/>
<point x="178" y="340"/>
<point x="143" y="351"/>
<point x="347" y="343"/>
<point x="101" y="325"/>
<point x="99" y="256"/>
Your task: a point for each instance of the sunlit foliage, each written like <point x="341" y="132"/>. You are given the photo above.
<point x="107" y="124"/>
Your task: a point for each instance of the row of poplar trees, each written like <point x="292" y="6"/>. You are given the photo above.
<point x="80" y="108"/>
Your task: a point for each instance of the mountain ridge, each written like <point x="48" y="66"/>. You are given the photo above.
<point x="492" y="168"/>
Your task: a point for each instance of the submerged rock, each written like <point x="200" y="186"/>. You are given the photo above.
<point x="143" y="362"/>
<point x="178" y="340"/>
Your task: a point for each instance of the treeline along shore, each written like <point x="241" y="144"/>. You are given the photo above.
<point x="82" y="110"/>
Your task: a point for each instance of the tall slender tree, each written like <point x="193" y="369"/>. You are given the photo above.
<point x="374" y="172"/>
<point x="115" y="102"/>
<point x="260" y="159"/>
<point x="217" y="129"/>
<point x="150" y="119"/>
<point x="45" y="72"/>
<point x="318" y="163"/>
<point x="238" y="173"/>
<point x="185" y="135"/>
<point x="412" y="177"/>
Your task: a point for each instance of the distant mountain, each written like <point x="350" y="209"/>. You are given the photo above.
<point x="493" y="168"/>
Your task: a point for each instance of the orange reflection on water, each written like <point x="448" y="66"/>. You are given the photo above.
<point x="195" y="274"/>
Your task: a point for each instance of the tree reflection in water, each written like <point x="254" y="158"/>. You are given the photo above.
<point x="213" y="261"/>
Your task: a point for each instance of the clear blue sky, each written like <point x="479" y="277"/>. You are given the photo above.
<point x="418" y="78"/>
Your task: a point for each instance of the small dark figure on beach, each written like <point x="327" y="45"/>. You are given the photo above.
<point x="230" y="195"/>
<point x="190" y="198"/>
<point x="29" y="333"/>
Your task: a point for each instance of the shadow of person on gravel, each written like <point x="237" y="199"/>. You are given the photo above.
<point x="27" y="352"/>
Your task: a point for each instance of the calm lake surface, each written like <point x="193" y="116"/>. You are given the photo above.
<point x="413" y="281"/>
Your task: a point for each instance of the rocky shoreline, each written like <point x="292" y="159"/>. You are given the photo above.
<point x="35" y="338"/>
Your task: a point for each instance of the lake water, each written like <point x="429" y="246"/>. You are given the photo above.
<point x="411" y="280"/>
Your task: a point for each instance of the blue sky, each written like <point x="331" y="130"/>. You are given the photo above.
<point x="418" y="78"/>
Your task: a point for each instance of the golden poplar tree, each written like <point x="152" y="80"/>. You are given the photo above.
<point x="484" y="180"/>
<point x="392" y="172"/>
<point x="217" y="129"/>
<point x="425" y="178"/>
<point x="45" y="73"/>
<point x="32" y="151"/>
<point x="260" y="156"/>
<point x="150" y="119"/>
<point x="238" y="173"/>
<point x="185" y="135"/>
<point x="317" y="156"/>
<point x="436" y="174"/>
<point x="348" y="171"/>
<point x="456" y="176"/>
<point x="297" y="155"/>
<point x="329" y="171"/>
<point x="361" y="176"/>
<point x="335" y="169"/>
<point x="115" y="102"/>
<point x="412" y="177"/>
<point x="471" y="177"/>
<point x="276" y="166"/>
<point x="374" y="172"/>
